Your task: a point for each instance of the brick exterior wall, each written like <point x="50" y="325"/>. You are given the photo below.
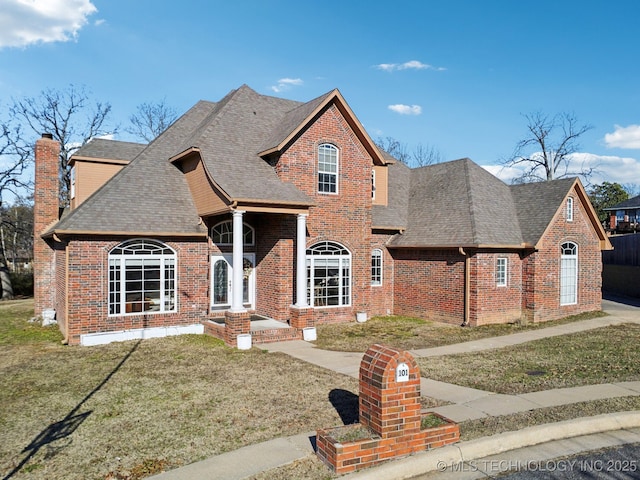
<point x="344" y="217"/>
<point x="542" y="299"/>
<point x="382" y="296"/>
<point x="429" y="284"/>
<point x="490" y="303"/>
<point x="88" y="288"/>
<point x="45" y="212"/>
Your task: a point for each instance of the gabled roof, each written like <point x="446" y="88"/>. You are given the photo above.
<point x="101" y="148"/>
<point x="537" y="203"/>
<point x="627" y="204"/>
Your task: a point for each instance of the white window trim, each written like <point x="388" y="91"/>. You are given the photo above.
<point x="335" y="174"/>
<point x="502" y="282"/>
<point x="570" y="209"/>
<point x="310" y="261"/>
<point x="573" y="300"/>
<point x="246" y="229"/>
<point x="119" y="260"/>
<point x="373" y="184"/>
<point x="376" y="283"/>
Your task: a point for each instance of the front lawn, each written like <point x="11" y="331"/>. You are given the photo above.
<point x="127" y="410"/>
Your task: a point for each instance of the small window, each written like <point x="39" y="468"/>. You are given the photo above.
<point x="570" y="209"/>
<point x="222" y="234"/>
<point x="501" y="272"/>
<point x="72" y="183"/>
<point x="327" y="168"/>
<point x="373" y="184"/>
<point x="376" y="267"/>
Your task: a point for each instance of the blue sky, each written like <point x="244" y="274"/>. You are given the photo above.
<point x="455" y="75"/>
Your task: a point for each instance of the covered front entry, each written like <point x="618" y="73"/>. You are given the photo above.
<point x="222" y="281"/>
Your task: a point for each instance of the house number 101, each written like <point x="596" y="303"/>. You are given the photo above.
<point x="402" y="372"/>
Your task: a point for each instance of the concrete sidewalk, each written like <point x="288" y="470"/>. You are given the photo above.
<point x="467" y="403"/>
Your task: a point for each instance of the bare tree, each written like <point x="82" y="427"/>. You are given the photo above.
<point x="15" y="157"/>
<point x="420" y="156"/>
<point x="424" y="155"/>
<point x="151" y="119"/>
<point x="70" y="117"/>
<point x="547" y="152"/>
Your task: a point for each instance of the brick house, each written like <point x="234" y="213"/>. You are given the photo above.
<point x="261" y="215"/>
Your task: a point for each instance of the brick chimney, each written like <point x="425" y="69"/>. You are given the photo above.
<point x="45" y="213"/>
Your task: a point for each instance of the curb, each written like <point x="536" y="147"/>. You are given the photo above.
<point x="433" y="460"/>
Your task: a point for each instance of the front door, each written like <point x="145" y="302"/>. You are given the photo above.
<point x="222" y="277"/>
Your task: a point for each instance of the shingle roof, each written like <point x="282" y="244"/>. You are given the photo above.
<point x="110" y="149"/>
<point x="230" y="152"/>
<point x="537" y="203"/>
<point x="394" y="215"/>
<point x="458" y="204"/>
<point x="148" y="195"/>
<point x="627" y="204"/>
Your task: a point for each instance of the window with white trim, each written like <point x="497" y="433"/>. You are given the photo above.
<point x="376" y="267"/>
<point x="501" y="271"/>
<point x="373" y="184"/>
<point x="568" y="273"/>
<point x="142" y="277"/>
<point x="222" y="233"/>
<point x="328" y="275"/>
<point x="72" y="183"/>
<point x="327" y="168"/>
<point x="570" y="209"/>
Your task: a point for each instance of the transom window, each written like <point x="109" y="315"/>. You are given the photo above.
<point x="327" y="168"/>
<point x="568" y="273"/>
<point x="376" y="267"/>
<point x="570" y="209"/>
<point x="222" y="233"/>
<point x="501" y="272"/>
<point x="142" y="277"/>
<point x="329" y="275"/>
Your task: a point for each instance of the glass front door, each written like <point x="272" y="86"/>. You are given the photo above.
<point x="222" y="278"/>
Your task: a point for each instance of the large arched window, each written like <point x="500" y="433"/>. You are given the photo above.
<point x="142" y="277"/>
<point x="222" y="233"/>
<point x="568" y="273"/>
<point x="329" y="275"/>
<point x="327" y="168"/>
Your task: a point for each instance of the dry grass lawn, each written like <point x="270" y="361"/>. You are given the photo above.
<point x="127" y="410"/>
<point x="409" y="333"/>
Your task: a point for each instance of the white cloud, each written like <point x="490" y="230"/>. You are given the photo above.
<point x="410" y="65"/>
<point x="286" y="84"/>
<point x="624" y="137"/>
<point x="607" y="168"/>
<point x="27" y="22"/>
<point x="406" y="109"/>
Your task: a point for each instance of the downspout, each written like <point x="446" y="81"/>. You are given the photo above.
<point x="467" y="286"/>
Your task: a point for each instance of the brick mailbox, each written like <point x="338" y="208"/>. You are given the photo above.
<point x="391" y="421"/>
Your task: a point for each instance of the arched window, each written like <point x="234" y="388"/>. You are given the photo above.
<point x="142" y="277"/>
<point x="222" y="233"/>
<point x="568" y="273"/>
<point x="376" y="267"/>
<point x="327" y="168"/>
<point x="329" y="275"/>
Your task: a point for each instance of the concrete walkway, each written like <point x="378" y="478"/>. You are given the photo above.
<point x="467" y="403"/>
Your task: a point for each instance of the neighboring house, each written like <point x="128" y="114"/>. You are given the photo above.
<point x="625" y="216"/>
<point x="258" y="207"/>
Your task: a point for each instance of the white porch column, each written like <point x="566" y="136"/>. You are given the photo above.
<point x="238" y="257"/>
<point x="301" y="262"/>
